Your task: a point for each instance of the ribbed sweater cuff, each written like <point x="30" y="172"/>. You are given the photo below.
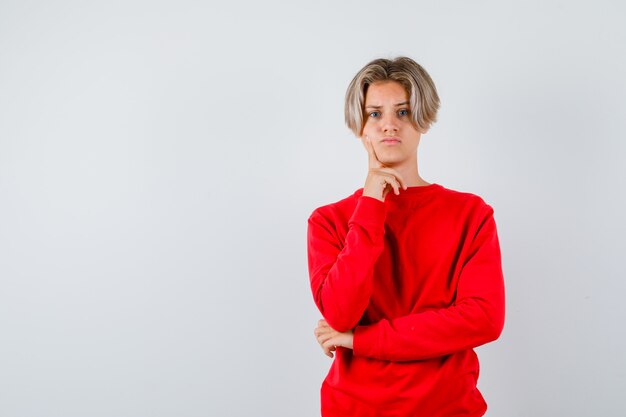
<point x="369" y="213"/>
<point x="367" y="342"/>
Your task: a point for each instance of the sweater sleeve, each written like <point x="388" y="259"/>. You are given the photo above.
<point x="341" y="273"/>
<point x="476" y="317"/>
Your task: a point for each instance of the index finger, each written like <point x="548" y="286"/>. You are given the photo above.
<point x="372" y="158"/>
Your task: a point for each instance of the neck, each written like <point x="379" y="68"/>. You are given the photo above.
<point x="410" y="173"/>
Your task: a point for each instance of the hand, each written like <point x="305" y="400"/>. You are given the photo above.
<point x="329" y="338"/>
<point x="380" y="179"/>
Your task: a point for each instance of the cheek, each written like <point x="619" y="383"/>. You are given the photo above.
<point x="368" y="127"/>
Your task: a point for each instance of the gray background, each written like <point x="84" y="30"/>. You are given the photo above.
<point x="159" y="160"/>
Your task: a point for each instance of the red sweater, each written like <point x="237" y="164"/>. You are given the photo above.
<point x="418" y="278"/>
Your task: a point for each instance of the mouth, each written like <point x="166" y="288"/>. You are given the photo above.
<point x="391" y="140"/>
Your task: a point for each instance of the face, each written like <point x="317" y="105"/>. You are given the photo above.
<point x="387" y="122"/>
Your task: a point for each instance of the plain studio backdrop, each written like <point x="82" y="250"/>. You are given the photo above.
<point x="159" y="161"/>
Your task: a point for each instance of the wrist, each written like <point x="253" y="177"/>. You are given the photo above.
<point x="379" y="198"/>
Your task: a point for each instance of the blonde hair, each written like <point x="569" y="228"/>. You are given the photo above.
<point x="420" y="88"/>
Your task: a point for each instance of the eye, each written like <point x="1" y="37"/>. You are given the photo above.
<point x="400" y="112"/>
<point x="372" y="113"/>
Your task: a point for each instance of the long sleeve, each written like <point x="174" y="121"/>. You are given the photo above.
<point x="341" y="273"/>
<point x="476" y="317"/>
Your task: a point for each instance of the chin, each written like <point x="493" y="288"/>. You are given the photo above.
<point x="391" y="162"/>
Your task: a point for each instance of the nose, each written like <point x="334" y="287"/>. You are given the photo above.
<point x="389" y="124"/>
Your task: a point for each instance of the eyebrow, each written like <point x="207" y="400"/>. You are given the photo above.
<point x="378" y="107"/>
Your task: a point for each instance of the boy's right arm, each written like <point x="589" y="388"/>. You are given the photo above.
<point x="341" y="274"/>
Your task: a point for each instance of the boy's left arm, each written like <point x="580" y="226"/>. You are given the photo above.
<point x="475" y="318"/>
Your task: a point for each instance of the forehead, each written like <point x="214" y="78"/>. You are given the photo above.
<point x="384" y="91"/>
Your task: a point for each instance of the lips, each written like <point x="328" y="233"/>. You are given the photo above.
<point x="391" y="140"/>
